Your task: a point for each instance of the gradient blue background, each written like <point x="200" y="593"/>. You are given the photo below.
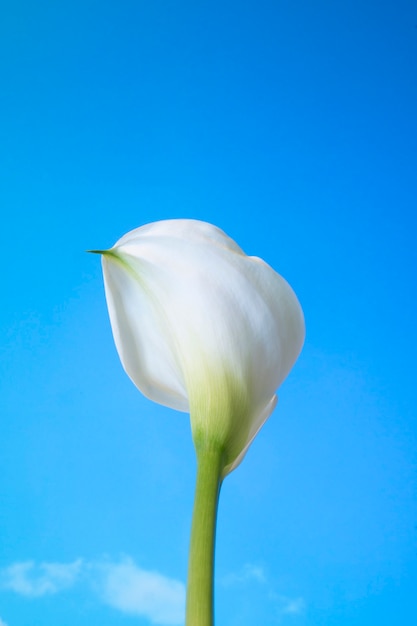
<point x="292" y="126"/>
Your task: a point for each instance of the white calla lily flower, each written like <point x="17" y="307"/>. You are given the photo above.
<point x="202" y="327"/>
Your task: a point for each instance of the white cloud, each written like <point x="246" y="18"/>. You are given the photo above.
<point x="33" y="581"/>
<point x="127" y="587"/>
<point x="130" y="589"/>
<point x="122" y="585"/>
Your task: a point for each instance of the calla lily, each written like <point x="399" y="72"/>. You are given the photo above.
<point x="201" y="327"/>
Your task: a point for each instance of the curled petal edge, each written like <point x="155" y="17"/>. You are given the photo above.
<point x="256" y="427"/>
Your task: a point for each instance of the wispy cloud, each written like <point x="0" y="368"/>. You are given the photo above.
<point x="250" y="574"/>
<point x="132" y="590"/>
<point x="288" y="606"/>
<point x="127" y="587"/>
<point x="122" y="585"/>
<point x="294" y="606"/>
<point x="33" y="580"/>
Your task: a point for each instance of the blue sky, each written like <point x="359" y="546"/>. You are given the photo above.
<point x="292" y="126"/>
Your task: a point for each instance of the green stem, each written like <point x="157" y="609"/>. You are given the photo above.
<point x="199" y="611"/>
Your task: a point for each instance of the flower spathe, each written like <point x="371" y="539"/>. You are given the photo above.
<point x="202" y="327"/>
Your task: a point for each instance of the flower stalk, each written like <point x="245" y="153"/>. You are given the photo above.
<point x="200" y="583"/>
